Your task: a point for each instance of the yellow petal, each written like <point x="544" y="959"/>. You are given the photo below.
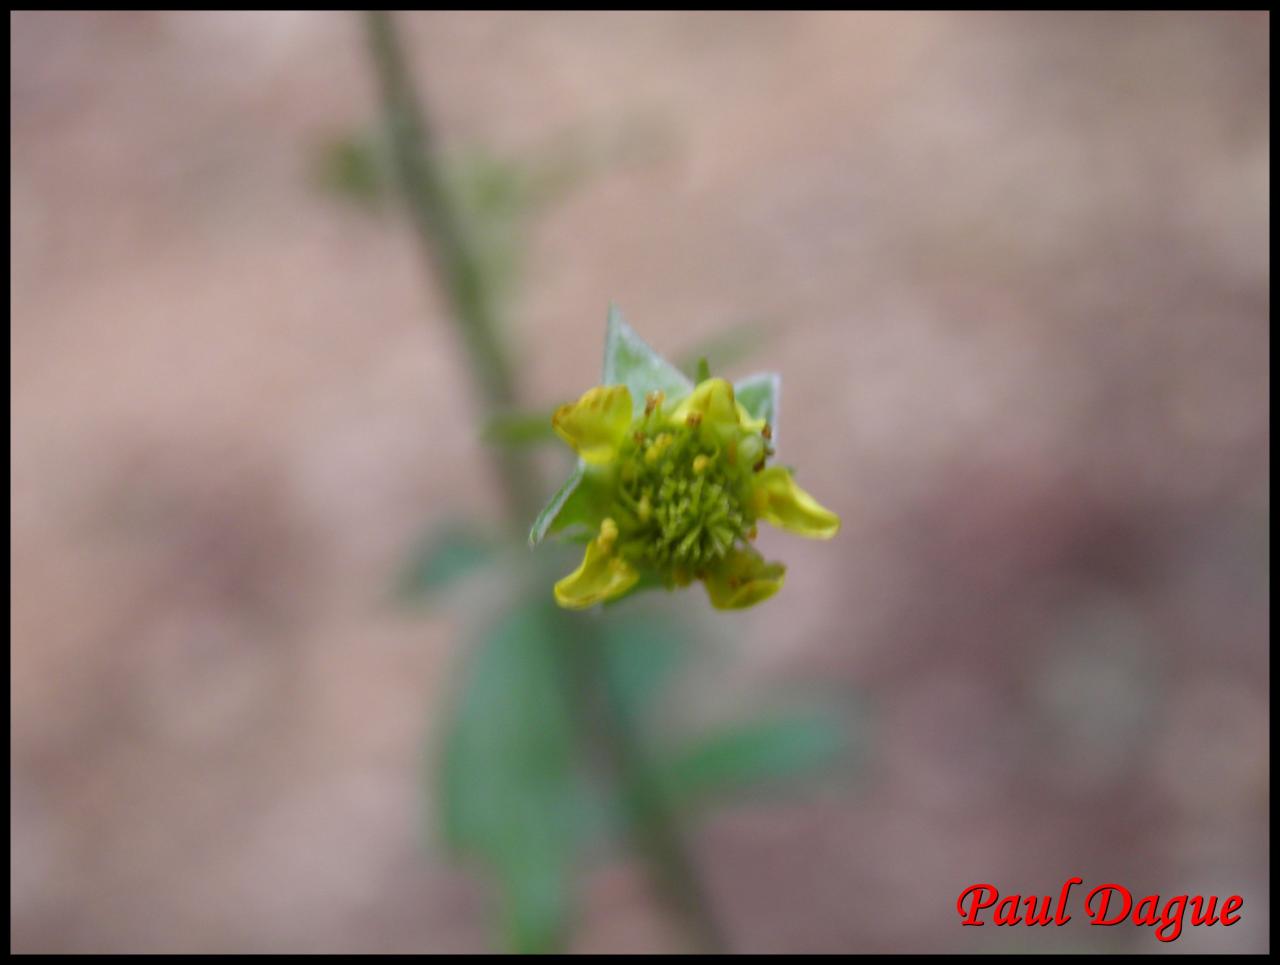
<point x="745" y="420"/>
<point x="778" y="500"/>
<point x="602" y="575"/>
<point x="712" y="402"/>
<point x="743" y="579"/>
<point x="596" y="423"/>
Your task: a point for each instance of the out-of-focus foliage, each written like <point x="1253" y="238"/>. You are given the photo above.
<point x="497" y="197"/>
<point x="751" y="754"/>
<point x="443" y="555"/>
<point x="354" y="167"/>
<point x="508" y="786"/>
<point x="642" y="655"/>
<point x="522" y="789"/>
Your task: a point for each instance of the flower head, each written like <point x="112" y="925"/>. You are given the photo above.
<point x="671" y="486"/>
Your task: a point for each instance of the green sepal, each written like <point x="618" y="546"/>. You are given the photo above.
<point x="758" y="394"/>
<point x="630" y="361"/>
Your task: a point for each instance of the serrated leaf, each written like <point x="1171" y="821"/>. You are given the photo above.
<point x="630" y="361"/>
<point x="751" y="754"/>
<point x="442" y="556"/>
<point x="759" y="395"/>
<point x="509" y="790"/>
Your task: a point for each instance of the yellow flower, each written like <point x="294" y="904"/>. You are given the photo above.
<point x="675" y="492"/>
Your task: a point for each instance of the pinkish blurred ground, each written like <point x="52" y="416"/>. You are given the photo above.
<point x="1016" y="271"/>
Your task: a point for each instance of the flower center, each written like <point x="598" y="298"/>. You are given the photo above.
<point x="682" y="493"/>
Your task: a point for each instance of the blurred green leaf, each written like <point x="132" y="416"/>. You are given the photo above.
<point x="509" y="792"/>
<point x="641" y="652"/>
<point x="441" y="557"/>
<point x="353" y="167"/>
<point x="490" y="187"/>
<point x="751" y="754"/>
<point x="519" y="429"/>
<point x="629" y="360"/>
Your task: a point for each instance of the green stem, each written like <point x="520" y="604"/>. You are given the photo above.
<point x="450" y="254"/>
<point x="653" y="827"/>
<point x="652" y="822"/>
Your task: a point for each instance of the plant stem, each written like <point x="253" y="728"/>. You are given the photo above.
<point x="652" y="821"/>
<point x="448" y="249"/>
<point x="654" y="831"/>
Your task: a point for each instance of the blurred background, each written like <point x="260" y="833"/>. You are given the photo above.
<point x="1014" y="271"/>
